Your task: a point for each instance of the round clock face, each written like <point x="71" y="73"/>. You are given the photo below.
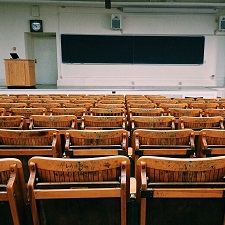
<point x="36" y="26"/>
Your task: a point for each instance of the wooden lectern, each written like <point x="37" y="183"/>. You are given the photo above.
<point x="20" y="73"/>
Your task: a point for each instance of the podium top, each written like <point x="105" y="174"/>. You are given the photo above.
<point x="19" y="59"/>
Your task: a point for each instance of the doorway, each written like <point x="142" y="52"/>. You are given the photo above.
<point x="42" y="48"/>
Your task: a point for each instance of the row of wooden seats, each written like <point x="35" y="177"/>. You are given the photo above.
<point x="79" y="111"/>
<point x="156" y="102"/>
<point x="92" y="143"/>
<point x="97" y="190"/>
<point x="168" y="122"/>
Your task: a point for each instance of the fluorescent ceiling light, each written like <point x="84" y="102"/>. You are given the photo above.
<point x="170" y="10"/>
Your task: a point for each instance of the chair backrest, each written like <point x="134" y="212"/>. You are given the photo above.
<point x="48" y="106"/>
<point x="107" y="112"/>
<point x="13" y="122"/>
<point x="13" y="195"/>
<point x="163" y="142"/>
<point x="180" y="188"/>
<point x="198" y="123"/>
<point x="78" y="112"/>
<point x="109" y="106"/>
<point x="60" y="122"/>
<point x="184" y="100"/>
<point x="214" y="112"/>
<point x="24" y="142"/>
<point x="87" y="188"/>
<point x="146" y="112"/>
<point x="153" y="122"/>
<point x="178" y="112"/>
<point x="7" y="106"/>
<point x="60" y="101"/>
<point x="164" y="100"/>
<point x="111" y="101"/>
<point x="28" y="101"/>
<point x="202" y="105"/>
<point x="165" y="106"/>
<point x="27" y="112"/>
<point x="96" y="143"/>
<point x="211" y="143"/>
<point x="141" y="105"/>
<point x="176" y="170"/>
<point x="140" y="101"/>
<point x="103" y="122"/>
<point x="87" y="106"/>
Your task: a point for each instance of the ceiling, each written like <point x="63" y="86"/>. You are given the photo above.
<point x="215" y="4"/>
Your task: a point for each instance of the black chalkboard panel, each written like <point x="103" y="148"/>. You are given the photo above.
<point x="168" y="50"/>
<point x="130" y="49"/>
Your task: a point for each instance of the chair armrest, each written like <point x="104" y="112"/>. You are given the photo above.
<point x="67" y="143"/>
<point x="192" y="140"/>
<point x="31" y="126"/>
<point x="221" y="124"/>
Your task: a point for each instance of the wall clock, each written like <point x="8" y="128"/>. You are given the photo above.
<point x="36" y="26"/>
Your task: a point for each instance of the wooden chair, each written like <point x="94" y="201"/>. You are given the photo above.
<point x="60" y="101"/>
<point x="27" y="112"/>
<point x="198" y="123"/>
<point x="12" y="192"/>
<point x="48" y="106"/>
<point x="131" y="96"/>
<point x="111" y="101"/>
<point x="59" y="122"/>
<point x="7" y="106"/>
<point x="141" y="105"/>
<point x="58" y="95"/>
<point x="174" y="143"/>
<point x="203" y="105"/>
<point x="107" y="112"/>
<point x="87" y="106"/>
<point x="78" y="112"/>
<point x="77" y="95"/>
<point x="211" y="143"/>
<point x="13" y="122"/>
<point x="208" y="100"/>
<point x="145" y="112"/>
<point x="114" y="96"/>
<point x="178" y="112"/>
<point x="176" y="191"/>
<point x="82" y="101"/>
<point x="152" y="97"/>
<point x="89" y="143"/>
<point x="29" y="101"/>
<point x="7" y="100"/>
<point x="109" y="106"/>
<point x="153" y="122"/>
<point x="184" y="100"/>
<point x="214" y="112"/>
<point x="45" y="99"/>
<point x="79" y="191"/>
<point x="24" y="144"/>
<point x="164" y="100"/>
<point x="166" y="106"/>
<point x="140" y="101"/>
<point x="103" y="122"/>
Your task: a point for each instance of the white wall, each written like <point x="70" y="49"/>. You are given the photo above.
<point x="70" y="20"/>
